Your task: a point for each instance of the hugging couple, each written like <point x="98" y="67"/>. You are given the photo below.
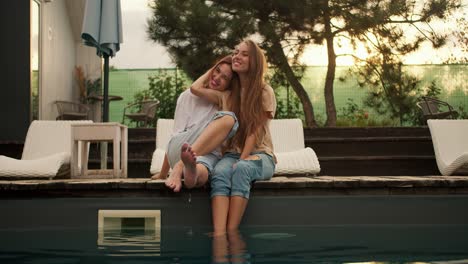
<point x="221" y="133"/>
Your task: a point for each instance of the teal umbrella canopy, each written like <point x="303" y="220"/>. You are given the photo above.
<point x="102" y="29"/>
<point x="102" y="26"/>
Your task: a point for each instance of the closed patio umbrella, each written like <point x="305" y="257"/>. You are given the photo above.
<point x="102" y="29"/>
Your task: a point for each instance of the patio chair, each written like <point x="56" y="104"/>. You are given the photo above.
<point x="290" y="151"/>
<point x="46" y="152"/>
<point x="71" y="110"/>
<point x="145" y="115"/>
<point x="433" y="108"/>
<point x="288" y="142"/>
<point x="450" y="141"/>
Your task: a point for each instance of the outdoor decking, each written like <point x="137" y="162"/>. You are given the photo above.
<point x="321" y="185"/>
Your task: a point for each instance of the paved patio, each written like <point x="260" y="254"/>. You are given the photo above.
<point x="321" y="185"/>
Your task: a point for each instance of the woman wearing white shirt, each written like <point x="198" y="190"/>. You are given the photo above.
<point x="200" y="128"/>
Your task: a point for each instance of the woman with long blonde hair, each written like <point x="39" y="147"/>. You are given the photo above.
<point x="249" y="155"/>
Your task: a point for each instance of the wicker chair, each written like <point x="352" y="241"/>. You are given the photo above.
<point x="145" y="113"/>
<point x="71" y="111"/>
<point x="433" y="108"/>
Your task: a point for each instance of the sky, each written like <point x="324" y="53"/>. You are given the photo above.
<point x="138" y="52"/>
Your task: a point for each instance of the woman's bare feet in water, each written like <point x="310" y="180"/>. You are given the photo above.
<point x="189" y="159"/>
<point x="174" y="181"/>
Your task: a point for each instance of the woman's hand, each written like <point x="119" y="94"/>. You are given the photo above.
<point x="250" y="157"/>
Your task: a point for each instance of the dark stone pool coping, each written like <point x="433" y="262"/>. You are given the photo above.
<point x="321" y="185"/>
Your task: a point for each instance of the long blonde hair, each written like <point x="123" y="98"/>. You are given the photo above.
<point x="251" y="114"/>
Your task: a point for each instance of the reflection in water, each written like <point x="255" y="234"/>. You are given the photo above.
<point x="130" y="232"/>
<point x="230" y="248"/>
<point x="135" y="242"/>
<point x="272" y="236"/>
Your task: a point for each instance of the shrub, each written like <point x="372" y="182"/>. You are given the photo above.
<point x="166" y="88"/>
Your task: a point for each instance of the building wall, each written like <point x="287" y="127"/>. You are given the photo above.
<point x="15" y="71"/>
<point x="58" y="58"/>
<point x="61" y="49"/>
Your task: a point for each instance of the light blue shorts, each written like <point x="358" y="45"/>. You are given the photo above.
<point x="227" y="180"/>
<point x="191" y="135"/>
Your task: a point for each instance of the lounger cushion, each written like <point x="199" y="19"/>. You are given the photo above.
<point x="289" y="147"/>
<point x="157" y="160"/>
<point x="303" y="161"/>
<point x="45" y="167"/>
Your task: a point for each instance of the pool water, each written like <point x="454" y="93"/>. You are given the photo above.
<point x="304" y="244"/>
<point x="71" y="230"/>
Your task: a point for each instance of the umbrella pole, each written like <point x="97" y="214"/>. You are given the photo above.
<point x="106" y="89"/>
<point x="105" y="117"/>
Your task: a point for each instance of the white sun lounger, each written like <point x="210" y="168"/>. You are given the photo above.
<point x="46" y="152"/>
<point x="164" y="129"/>
<point x="288" y="142"/>
<point x="450" y="141"/>
<point x="290" y="151"/>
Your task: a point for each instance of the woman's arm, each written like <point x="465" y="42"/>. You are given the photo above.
<point x="198" y="89"/>
<point x="198" y="84"/>
<point x="248" y="146"/>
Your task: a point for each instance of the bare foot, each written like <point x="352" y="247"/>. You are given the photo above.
<point x="190" y="165"/>
<point x="174" y="181"/>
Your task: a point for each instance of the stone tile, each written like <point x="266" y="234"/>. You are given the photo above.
<point x="133" y="184"/>
<point x="457" y="181"/>
<point x="24" y="186"/>
<point x="279" y="185"/>
<point x="399" y="182"/>
<point x="52" y="185"/>
<point x="346" y="182"/>
<point x="319" y="184"/>
<point x="95" y="184"/>
<point x="372" y="182"/>
<point x="278" y="179"/>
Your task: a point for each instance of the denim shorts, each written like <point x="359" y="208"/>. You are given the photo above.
<point x="229" y="180"/>
<point x="191" y="135"/>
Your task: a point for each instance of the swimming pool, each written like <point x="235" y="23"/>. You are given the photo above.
<point x="277" y="229"/>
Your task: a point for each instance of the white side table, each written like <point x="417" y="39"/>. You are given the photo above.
<point x="99" y="132"/>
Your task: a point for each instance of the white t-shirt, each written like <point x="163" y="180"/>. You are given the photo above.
<point x="191" y="110"/>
